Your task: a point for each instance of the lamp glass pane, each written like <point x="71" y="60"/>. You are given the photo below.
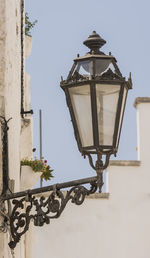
<point x="103" y="65"/>
<point x="83" y="68"/>
<point x="81" y="102"/>
<point x="122" y="112"/>
<point x="107" y="96"/>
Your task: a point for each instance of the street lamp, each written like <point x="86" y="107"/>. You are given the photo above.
<point x="96" y="96"/>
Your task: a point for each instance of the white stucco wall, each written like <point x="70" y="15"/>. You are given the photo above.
<point x="20" y="129"/>
<point x="12" y="85"/>
<point x="113" y="225"/>
<point x="26" y="137"/>
<point x="10" y="60"/>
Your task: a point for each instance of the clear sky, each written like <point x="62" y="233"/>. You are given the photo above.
<point x="57" y="39"/>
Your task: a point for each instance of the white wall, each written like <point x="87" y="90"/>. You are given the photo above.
<point x="20" y="130"/>
<point x="10" y="92"/>
<point x="12" y="84"/>
<point x="115" y="225"/>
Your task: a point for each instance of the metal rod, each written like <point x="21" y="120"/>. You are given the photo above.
<point x="26" y="112"/>
<point x="50" y="188"/>
<point x="5" y="168"/>
<point x="22" y="57"/>
<point x="40" y="130"/>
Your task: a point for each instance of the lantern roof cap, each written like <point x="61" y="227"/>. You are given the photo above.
<point x="94" y="43"/>
<point x="99" y="56"/>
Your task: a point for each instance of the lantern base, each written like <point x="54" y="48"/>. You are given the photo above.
<point x="99" y="165"/>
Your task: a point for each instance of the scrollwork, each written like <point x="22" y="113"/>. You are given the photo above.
<point x="41" y="210"/>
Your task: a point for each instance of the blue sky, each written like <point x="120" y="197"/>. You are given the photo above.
<point x="57" y="39"/>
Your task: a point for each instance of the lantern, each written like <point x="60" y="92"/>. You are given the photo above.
<point x="96" y="95"/>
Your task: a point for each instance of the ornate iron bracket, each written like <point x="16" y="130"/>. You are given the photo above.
<point x="42" y="209"/>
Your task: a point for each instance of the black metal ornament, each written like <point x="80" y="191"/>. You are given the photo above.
<point x="41" y="210"/>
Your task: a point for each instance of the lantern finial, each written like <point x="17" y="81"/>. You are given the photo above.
<point x="94" y="42"/>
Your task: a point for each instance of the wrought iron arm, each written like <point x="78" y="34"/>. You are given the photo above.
<point x="42" y="209"/>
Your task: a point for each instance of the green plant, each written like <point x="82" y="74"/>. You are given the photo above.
<point x="29" y="25"/>
<point x="39" y="166"/>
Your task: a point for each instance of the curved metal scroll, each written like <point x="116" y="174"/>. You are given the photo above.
<point x="42" y="210"/>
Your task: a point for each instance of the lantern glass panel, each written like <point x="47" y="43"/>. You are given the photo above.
<point x="121" y="114"/>
<point x="102" y="66"/>
<point x="81" y="103"/>
<point x="107" y="96"/>
<point x="83" y="68"/>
